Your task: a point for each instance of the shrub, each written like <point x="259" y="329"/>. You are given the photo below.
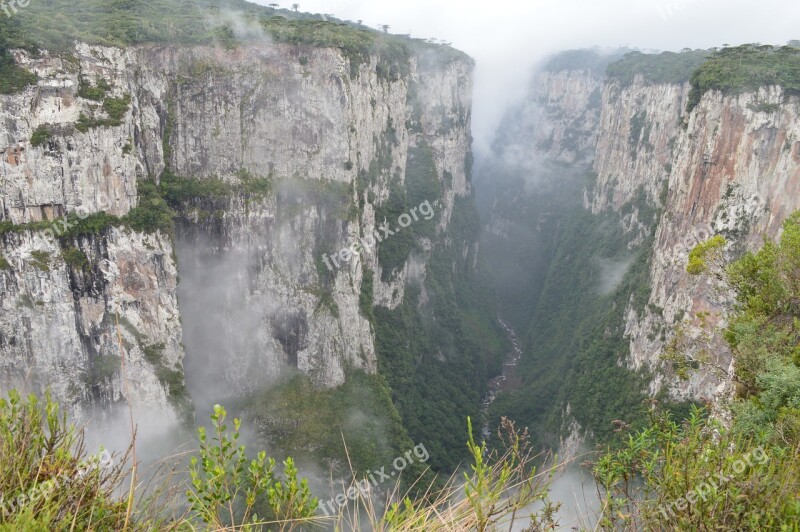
<point x="13" y="78"/>
<point x="40" y="136"/>
<point x="102" y="368"/>
<point x="178" y="191"/>
<point x="678" y="465"/>
<point x="666" y="67"/>
<point x="41" y="260"/>
<point x="228" y="490"/>
<point x="153" y="213"/>
<point x="116" y="108"/>
<point x="698" y="476"/>
<point x="499" y="491"/>
<point x="90" y="225"/>
<point x="705" y="255"/>
<point x="255" y="187"/>
<point x="75" y="258"/>
<point x="98" y="93"/>
<point x="47" y="479"/>
<point x="4" y="264"/>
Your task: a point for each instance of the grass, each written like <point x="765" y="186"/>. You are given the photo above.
<point x="50" y="482"/>
<point x="47" y="478"/>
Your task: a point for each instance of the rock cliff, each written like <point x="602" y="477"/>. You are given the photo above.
<point x="300" y="147"/>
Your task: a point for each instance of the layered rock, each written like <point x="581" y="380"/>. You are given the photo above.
<point x="736" y="172"/>
<point x="729" y="167"/>
<point x="322" y="138"/>
<point x="557" y="121"/>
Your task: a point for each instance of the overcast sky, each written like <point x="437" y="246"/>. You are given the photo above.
<point x="508" y="37"/>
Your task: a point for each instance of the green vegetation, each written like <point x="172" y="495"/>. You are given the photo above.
<point x="158" y="206"/>
<point x="640" y="132"/>
<point x="171" y="379"/>
<point x="93" y="224"/>
<point x="496" y="491"/>
<point x="4" y="264"/>
<point x="47" y="479"/>
<point x="102" y="369"/>
<point x="177" y="190"/>
<point x="98" y="93"/>
<point x="254" y="186"/>
<point x="704" y="253"/>
<point x="50" y="483"/>
<point x="576" y="340"/>
<point x="298" y="418"/>
<point x="581" y="60"/>
<point x="438" y="357"/>
<point x="40" y="259"/>
<point x="332" y="198"/>
<point x="228" y="490"/>
<point x="747" y="68"/>
<point x="757" y="453"/>
<point x="76" y="258"/>
<point x="153" y="213"/>
<point x="366" y="299"/>
<point x="13" y="78"/>
<point x="569" y="314"/>
<point x="422" y="184"/>
<point x="698" y="475"/>
<point x="394" y="251"/>
<point x="40" y="136"/>
<point x="666" y="67"/>
<point x="764" y="107"/>
<point x="112" y="23"/>
<point x="115" y="108"/>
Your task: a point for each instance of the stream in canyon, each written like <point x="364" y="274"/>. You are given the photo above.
<point x="507" y="378"/>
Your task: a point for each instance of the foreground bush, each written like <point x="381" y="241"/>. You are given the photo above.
<point x="745" y="474"/>
<point x="47" y="480"/>
<point x="698" y="476"/>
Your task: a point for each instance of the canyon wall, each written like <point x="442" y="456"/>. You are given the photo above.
<point x="675" y="178"/>
<point x="599" y="185"/>
<point x="304" y="145"/>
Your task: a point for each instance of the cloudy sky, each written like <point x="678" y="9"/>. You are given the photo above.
<point x="508" y="37"/>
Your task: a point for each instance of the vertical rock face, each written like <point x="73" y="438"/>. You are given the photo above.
<point x="731" y="166"/>
<point x="308" y="147"/>
<point x="636" y="133"/>
<point x="736" y="172"/>
<point x="93" y="317"/>
<point x="558" y="119"/>
<point x="729" y="170"/>
<point x="68" y="328"/>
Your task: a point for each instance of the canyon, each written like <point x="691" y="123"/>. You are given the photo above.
<point x="167" y="211"/>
